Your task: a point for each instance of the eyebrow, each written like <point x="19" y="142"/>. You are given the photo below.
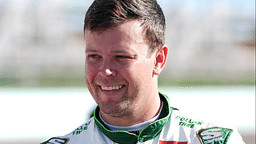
<point x="122" y="51"/>
<point x="113" y="51"/>
<point x="90" y="50"/>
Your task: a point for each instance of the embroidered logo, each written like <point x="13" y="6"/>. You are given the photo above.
<point x="56" y="140"/>
<point x="81" y="128"/>
<point x="214" y="134"/>
<point x="186" y="122"/>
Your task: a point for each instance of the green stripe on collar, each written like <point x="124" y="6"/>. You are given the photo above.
<point x="148" y="133"/>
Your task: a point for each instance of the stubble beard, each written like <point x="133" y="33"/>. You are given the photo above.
<point x="122" y="108"/>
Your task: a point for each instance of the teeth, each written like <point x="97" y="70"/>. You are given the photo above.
<point x="112" y="88"/>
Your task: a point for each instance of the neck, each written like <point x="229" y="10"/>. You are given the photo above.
<point x="144" y="110"/>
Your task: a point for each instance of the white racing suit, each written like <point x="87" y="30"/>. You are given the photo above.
<point x="172" y="127"/>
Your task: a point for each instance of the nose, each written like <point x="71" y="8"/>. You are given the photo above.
<point x="106" y="68"/>
<point x="107" y="72"/>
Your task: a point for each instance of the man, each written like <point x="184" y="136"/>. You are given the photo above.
<point x="125" y="53"/>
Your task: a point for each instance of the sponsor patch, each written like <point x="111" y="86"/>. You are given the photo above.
<point x="214" y="135"/>
<point x="186" y="122"/>
<point x="56" y="140"/>
<point x="172" y="142"/>
<point x="81" y="129"/>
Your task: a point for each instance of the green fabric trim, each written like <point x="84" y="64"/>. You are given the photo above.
<point x="148" y="133"/>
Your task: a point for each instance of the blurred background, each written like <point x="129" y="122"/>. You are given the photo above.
<point x="210" y="68"/>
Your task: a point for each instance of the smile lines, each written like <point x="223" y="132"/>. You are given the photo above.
<point x="111" y="87"/>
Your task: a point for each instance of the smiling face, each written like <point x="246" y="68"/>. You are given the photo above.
<point x="118" y="70"/>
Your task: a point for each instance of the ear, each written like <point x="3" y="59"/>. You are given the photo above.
<point x="160" y="59"/>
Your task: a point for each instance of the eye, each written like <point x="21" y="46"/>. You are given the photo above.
<point x="93" y="57"/>
<point x="123" y="57"/>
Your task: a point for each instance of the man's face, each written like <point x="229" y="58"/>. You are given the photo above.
<point x="118" y="70"/>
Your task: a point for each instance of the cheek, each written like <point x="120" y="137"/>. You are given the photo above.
<point x="137" y="73"/>
<point x="90" y="73"/>
<point x="144" y="70"/>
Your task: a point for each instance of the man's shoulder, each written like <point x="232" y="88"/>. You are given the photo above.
<point x="84" y="130"/>
<point x="201" y="130"/>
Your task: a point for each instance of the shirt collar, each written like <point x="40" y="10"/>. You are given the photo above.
<point x="148" y="133"/>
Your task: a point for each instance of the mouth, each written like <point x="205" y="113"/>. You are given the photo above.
<point x="111" y="88"/>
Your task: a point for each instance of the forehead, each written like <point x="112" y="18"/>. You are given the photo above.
<point x="129" y="34"/>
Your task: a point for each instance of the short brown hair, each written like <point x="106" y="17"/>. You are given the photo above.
<point x="105" y="14"/>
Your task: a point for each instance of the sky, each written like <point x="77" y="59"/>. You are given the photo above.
<point x="235" y="8"/>
<point x="194" y="4"/>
